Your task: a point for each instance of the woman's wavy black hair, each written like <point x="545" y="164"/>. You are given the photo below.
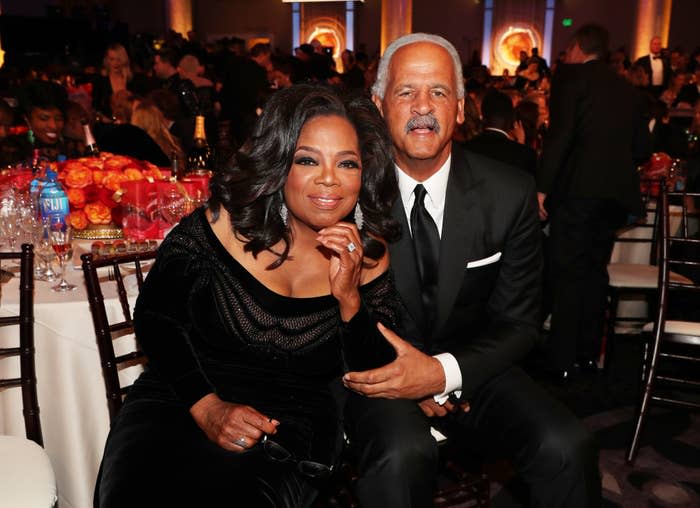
<point x="250" y="187"/>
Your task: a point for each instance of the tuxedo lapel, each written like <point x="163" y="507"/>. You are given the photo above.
<point x="403" y="262"/>
<point x="463" y="234"/>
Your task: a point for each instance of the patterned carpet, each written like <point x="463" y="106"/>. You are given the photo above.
<point x="667" y="470"/>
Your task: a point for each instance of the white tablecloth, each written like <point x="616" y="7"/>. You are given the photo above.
<point x="72" y="401"/>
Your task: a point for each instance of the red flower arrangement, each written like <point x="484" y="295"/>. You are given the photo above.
<point x="93" y="186"/>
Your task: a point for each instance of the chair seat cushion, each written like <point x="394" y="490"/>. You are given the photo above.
<point x="26" y="476"/>
<point x="623" y="275"/>
<point x="677" y="327"/>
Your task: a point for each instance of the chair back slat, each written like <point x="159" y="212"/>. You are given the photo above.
<point x="678" y="250"/>
<point x="25" y="350"/>
<point x="105" y="331"/>
<point x="646" y="230"/>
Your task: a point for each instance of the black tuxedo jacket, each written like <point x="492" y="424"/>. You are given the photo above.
<point x="497" y="146"/>
<point x="645" y="61"/>
<point x="596" y="134"/>
<point x="489" y="270"/>
<point x="689" y="94"/>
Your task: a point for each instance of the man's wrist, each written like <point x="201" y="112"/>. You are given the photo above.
<point x="453" y="376"/>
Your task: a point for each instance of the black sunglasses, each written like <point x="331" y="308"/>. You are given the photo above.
<point x="279" y="453"/>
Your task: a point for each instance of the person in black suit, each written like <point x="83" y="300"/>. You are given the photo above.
<point x="657" y="66"/>
<point x="498" y="116"/>
<point x="467" y="270"/>
<point x="690" y="93"/>
<point x="588" y="176"/>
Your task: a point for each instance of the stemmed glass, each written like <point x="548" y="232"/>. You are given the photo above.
<point x="61" y="236"/>
<point x="45" y="252"/>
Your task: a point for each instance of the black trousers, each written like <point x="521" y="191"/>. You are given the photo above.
<point x="582" y="235"/>
<point x="510" y="417"/>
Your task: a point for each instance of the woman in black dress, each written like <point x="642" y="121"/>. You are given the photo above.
<point x="254" y="308"/>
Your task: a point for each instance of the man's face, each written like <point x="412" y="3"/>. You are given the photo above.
<point x="421" y="107"/>
<point x="160" y="68"/>
<point x="655" y="46"/>
<point x="574" y="54"/>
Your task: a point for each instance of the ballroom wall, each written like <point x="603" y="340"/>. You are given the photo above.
<point x="460" y="21"/>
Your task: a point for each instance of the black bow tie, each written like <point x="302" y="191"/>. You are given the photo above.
<point x="656" y="57"/>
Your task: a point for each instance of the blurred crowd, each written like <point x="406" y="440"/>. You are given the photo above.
<point x="141" y="99"/>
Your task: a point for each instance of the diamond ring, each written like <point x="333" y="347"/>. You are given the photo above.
<point x="240" y="442"/>
<point x="351" y="247"/>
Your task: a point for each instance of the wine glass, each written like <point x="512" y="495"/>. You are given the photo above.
<point x="61" y="235"/>
<point x="44" y="251"/>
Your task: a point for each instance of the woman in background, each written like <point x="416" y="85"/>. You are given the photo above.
<point x="43" y="105"/>
<point x="147" y="116"/>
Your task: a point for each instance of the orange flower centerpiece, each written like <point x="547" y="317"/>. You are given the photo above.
<point x="94" y="186"/>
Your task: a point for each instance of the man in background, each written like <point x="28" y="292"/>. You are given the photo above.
<point x="495" y="141"/>
<point x="589" y="180"/>
<point x="657" y="66"/>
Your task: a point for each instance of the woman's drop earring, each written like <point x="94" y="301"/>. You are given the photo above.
<point x="359" y="218"/>
<point x="284" y="213"/>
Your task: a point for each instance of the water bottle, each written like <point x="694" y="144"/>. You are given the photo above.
<point x="35" y="188"/>
<point x="53" y="201"/>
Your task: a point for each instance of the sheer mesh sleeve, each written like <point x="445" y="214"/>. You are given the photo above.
<point x="363" y="346"/>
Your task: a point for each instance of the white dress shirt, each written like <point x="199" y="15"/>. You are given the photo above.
<point x="657" y="71"/>
<point x="436" y="190"/>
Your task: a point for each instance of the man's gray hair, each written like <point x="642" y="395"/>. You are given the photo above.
<point x="379" y="87"/>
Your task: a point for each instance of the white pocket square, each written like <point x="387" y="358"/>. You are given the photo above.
<point x="485" y="261"/>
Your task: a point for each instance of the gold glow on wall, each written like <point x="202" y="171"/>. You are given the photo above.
<point x="330" y="34"/>
<point x="509" y="42"/>
<point x="178" y="15"/>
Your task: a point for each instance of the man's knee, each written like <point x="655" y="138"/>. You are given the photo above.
<point x="402" y="453"/>
<point x="567" y="449"/>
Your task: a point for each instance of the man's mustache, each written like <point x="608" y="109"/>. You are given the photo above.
<point x="423" y="122"/>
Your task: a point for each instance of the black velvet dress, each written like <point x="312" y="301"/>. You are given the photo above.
<point x="207" y="325"/>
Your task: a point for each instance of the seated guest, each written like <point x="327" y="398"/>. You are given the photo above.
<point x="43" y="105"/>
<point x="165" y="68"/>
<point x="252" y="310"/>
<point x="192" y="69"/>
<point x="123" y="138"/>
<point x="672" y="95"/>
<point x="495" y="141"/>
<point x="147" y="116"/>
<point x="690" y="93"/>
<point x="117" y="76"/>
<point x="666" y="136"/>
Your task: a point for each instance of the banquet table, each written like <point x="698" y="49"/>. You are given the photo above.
<point x="71" y="394"/>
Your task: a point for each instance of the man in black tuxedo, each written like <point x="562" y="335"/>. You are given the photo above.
<point x="495" y="142"/>
<point x="467" y="270"/>
<point x="588" y="176"/>
<point x="657" y="66"/>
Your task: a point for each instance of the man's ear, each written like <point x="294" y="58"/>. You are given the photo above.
<point x="460" y="111"/>
<point x="378" y="102"/>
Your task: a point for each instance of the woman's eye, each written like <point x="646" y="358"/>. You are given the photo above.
<point x="304" y="161"/>
<point x="349" y="164"/>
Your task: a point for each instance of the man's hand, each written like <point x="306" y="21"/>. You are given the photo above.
<point x="432" y="409"/>
<point x="541" y="196"/>
<point x="413" y="375"/>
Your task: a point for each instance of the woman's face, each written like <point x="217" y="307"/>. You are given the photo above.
<point x="47" y="124"/>
<point x="114" y="60"/>
<point x="325" y="178"/>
